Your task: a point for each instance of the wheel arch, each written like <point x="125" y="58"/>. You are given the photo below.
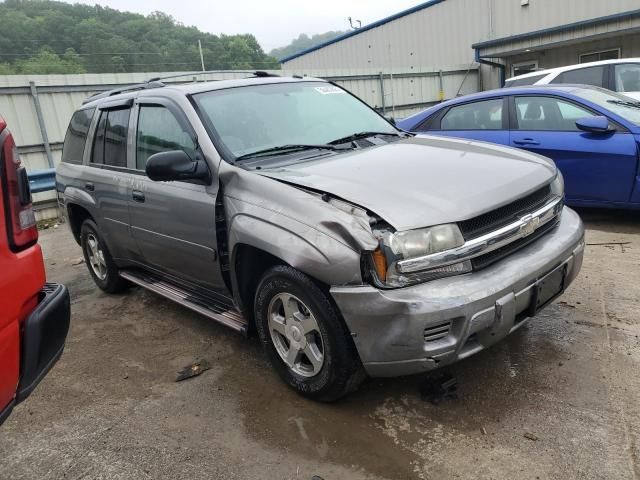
<point x="77" y="214"/>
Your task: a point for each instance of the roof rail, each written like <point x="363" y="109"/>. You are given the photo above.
<point x="258" y="73"/>
<point x="125" y="88"/>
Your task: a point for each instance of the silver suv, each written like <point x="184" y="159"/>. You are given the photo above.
<point x="288" y="206"/>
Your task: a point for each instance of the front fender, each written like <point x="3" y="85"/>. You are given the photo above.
<point x="299" y="245"/>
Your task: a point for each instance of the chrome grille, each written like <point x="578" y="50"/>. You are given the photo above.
<point x="484" y="261"/>
<point x="493" y="220"/>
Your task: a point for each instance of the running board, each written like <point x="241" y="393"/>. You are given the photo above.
<point x="217" y="310"/>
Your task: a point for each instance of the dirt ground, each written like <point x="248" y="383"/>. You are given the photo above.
<point x="557" y="399"/>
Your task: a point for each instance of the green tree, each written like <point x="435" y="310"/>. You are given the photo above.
<point x="46" y="61"/>
<point x="303" y="42"/>
<point x="36" y="35"/>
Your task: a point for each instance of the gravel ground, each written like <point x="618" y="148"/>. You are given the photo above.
<point x="557" y="399"/>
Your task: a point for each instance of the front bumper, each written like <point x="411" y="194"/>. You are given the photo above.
<point x="43" y="337"/>
<point x="419" y="328"/>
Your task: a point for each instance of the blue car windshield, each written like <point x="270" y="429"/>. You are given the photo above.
<point x="258" y="117"/>
<point x="623" y="106"/>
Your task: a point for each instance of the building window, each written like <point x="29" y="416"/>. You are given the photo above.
<point x="602" y="55"/>
<point x="524" y="67"/>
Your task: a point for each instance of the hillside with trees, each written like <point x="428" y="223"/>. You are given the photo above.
<point x="303" y="42"/>
<point x="42" y="36"/>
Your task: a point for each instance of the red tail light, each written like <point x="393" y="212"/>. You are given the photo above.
<point x="21" y="221"/>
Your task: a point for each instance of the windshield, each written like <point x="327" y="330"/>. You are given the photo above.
<point x="255" y="118"/>
<point x="626" y="107"/>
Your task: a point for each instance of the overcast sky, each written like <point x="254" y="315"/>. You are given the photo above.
<point x="274" y="22"/>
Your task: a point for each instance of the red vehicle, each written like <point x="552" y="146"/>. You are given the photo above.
<point x="34" y="315"/>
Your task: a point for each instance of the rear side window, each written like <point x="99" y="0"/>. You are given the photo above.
<point x="76" y="137"/>
<point x="584" y="76"/>
<point x="628" y="77"/>
<point x="110" y="143"/>
<point x="486" y="115"/>
<point x="521" y="82"/>
<point x="160" y="131"/>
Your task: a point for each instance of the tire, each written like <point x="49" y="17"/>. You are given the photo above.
<point x="101" y="266"/>
<point x="315" y="329"/>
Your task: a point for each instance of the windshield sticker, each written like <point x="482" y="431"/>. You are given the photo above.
<point x="329" y="89"/>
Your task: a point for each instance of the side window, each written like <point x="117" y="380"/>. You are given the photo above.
<point x="486" y="115"/>
<point x="115" y="138"/>
<point x="627" y="77"/>
<point x="584" y="76"/>
<point x="160" y="131"/>
<point x="76" y="137"/>
<point x="110" y="141"/>
<point x="546" y="113"/>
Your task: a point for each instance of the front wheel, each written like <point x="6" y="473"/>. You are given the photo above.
<point x="304" y="336"/>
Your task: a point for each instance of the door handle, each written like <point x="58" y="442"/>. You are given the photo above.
<point x="526" y="141"/>
<point x="89" y="186"/>
<point x="138" y="196"/>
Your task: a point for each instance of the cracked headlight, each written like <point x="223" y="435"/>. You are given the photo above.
<point x="411" y="244"/>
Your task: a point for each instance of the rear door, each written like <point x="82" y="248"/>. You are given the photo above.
<point x="484" y="120"/>
<point x="597" y="168"/>
<point x="173" y="222"/>
<point x="107" y="179"/>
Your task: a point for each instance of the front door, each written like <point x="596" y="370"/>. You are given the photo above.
<point x="598" y="168"/>
<point x="173" y="223"/>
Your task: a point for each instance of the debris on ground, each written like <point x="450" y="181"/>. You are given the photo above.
<point x="608" y="243"/>
<point x="439" y="388"/>
<point x="483" y="430"/>
<point x="316" y="477"/>
<point x="530" y="436"/>
<point x="79" y="261"/>
<point x="193" y="370"/>
<point x="566" y="304"/>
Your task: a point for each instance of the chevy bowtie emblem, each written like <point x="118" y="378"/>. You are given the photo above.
<point x="529" y="225"/>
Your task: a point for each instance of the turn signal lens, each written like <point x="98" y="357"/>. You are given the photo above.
<point x="380" y="264"/>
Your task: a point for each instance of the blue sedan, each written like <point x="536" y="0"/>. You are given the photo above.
<point x="592" y="134"/>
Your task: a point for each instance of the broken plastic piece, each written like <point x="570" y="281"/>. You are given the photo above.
<point x="193" y="370"/>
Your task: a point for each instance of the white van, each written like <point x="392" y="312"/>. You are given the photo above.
<point x="621" y="75"/>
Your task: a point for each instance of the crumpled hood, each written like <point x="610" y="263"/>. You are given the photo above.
<point x="424" y="181"/>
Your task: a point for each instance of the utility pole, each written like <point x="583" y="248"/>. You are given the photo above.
<point x="201" y="57"/>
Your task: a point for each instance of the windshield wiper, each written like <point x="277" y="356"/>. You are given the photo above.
<point x="283" y="149"/>
<point x="359" y="135"/>
<point x="625" y="103"/>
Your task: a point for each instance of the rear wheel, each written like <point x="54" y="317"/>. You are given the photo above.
<point x="304" y="336"/>
<point x="101" y="266"/>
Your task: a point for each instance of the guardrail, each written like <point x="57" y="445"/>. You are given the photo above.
<point x="42" y="180"/>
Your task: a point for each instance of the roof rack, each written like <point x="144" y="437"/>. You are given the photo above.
<point x="126" y="88"/>
<point x="156" y="82"/>
<point x="263" y="74"/>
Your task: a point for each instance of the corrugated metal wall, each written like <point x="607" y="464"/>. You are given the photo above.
<point x="442" y="34"/>
<point x="510" y="18"/>
<point x="405" y="92"/>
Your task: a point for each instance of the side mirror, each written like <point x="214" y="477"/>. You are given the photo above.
<point x="176" y="165"/>
<point x="391" y="120"/>
<point x="597" y="124"/>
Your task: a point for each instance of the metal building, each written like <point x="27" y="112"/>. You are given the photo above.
<point x="507" y="37"/>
